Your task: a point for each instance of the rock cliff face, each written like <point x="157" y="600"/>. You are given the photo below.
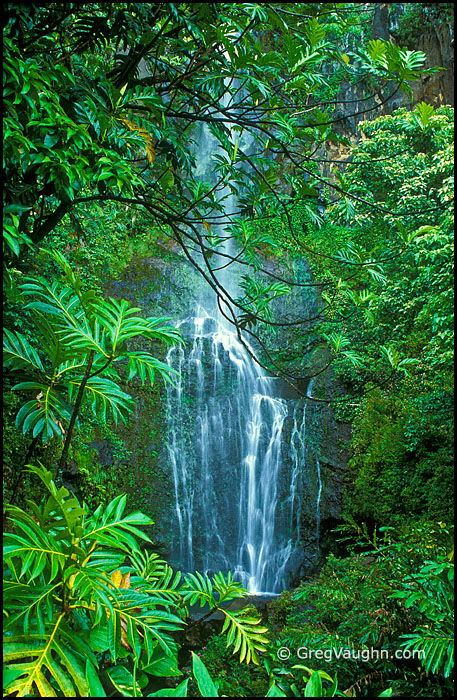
<point x="427" y="27"/>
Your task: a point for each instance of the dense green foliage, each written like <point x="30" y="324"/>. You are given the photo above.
<point x="385" y="612"/>
<point x="81" y="595"/>
<point x="403" y="430"/>
<point x="116" y="116"/>
<point x="387" y="314"/>
<point x="105" y="104"/>
<point x="82" y="336"/>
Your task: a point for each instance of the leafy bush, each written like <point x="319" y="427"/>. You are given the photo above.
<point x="396" y="594"/>
<point x="87" y="610"/>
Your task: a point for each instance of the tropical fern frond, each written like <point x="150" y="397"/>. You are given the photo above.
<point x="227" y="588"/>
<point x="245" y="633"/>
<point x="197" y="588"/>
<point x="105" y="398"/>
<point x="243" y="630"/>
<point x="166" y="586"/>
<point x="336" y="341"/>
<point x="92" y="585"/>
<point x="148" y="564"/>
<point x="143" y="622"/>
<point x="111" y="527"/>
<point x="158" y="328"/>
<point x="115" y="317"/>
<point x="35" y="548"/>
<point x="145" y="366"/>
<point x="43" y="414"/>
<point x="54" y="300"/>
<point x="437" y="647"/>
<point x="29" y="604"/>
<point x="18" y="353"/>
<point x="50" y="663"/>
<point x="85" y="337"/>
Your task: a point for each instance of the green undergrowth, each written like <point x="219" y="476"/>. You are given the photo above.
<point x="365" y="619"/>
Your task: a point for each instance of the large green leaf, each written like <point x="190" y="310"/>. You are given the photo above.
<point x="105" y="397"/>
<point x="245" y="633"/>
<point x="35" y="548"/>
<point x="53" y="299"/>
<point x="49" y="662"/>
<point x="162" y="664"/>
<point x="145" y="624"/>
<point x="19" y="354"/>
<point x="44" y="414"/>
<point x="179" y="692"/>
<point x="85" y="337"/>
<point x="145" y="366"/>
<point x="205" y="683"/>
<point x="109" y="525"/>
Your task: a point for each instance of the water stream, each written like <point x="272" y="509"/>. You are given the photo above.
<point x="237" y="478"/>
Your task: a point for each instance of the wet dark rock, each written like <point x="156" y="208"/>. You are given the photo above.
<point x="104" y="451"/>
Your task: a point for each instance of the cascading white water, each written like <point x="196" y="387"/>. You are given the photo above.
<point x="225" y="429"/>
<point x="226" y="445"/>
<point x="318" y="500"/>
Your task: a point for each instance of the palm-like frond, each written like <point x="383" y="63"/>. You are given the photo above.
<point x="145" y="366"/>
<point x="437" y="646"/>
<point x="43" y="414"/>
<point x="158" y="328"/>
<point x="85" y="337"/>
<point x="52" y="299"/>
<point x="166" y="586"/>
<point x="18" y="353"/>
<point x="35" y="548"/>
<point x="243" y="630"/>
<point x="29" y="604"/>
<point x="116" y="318"/>
<point x="105" y="397"/>
<point x="227" y="588"/>
<point x="122" y="322"/>
<point x="144" y="623"/>
<point x="245" y="633"/>
<point x="91" y="584"/>
<point x="111" y="527"/>
<point x="74" y="327"/>
<point x="197" y="588"/>
<point x="60" y="510"/>
<point x="50" y="663"/>
<point x="432" y="590"/>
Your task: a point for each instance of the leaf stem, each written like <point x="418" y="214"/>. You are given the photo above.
<point x="79" y="397"/>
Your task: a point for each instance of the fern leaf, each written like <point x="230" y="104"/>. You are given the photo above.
<point x="48" y="656"/>
<point x="106" y="398"/>
<point x="145" y="366"/>
<point x="35" y="547"/>
<point x="18" y="352"/>
<point x="62" y="303"/>
<point x="110" y="526"/>
<point x="44" y="414"/>
<point x="83" y="338"/>
<point x="197" y="589"/>
<point x="245" y="634"/>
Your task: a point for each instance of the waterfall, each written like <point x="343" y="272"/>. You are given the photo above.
<point x="225" y="428"/>
<point x="226" y="443"/>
